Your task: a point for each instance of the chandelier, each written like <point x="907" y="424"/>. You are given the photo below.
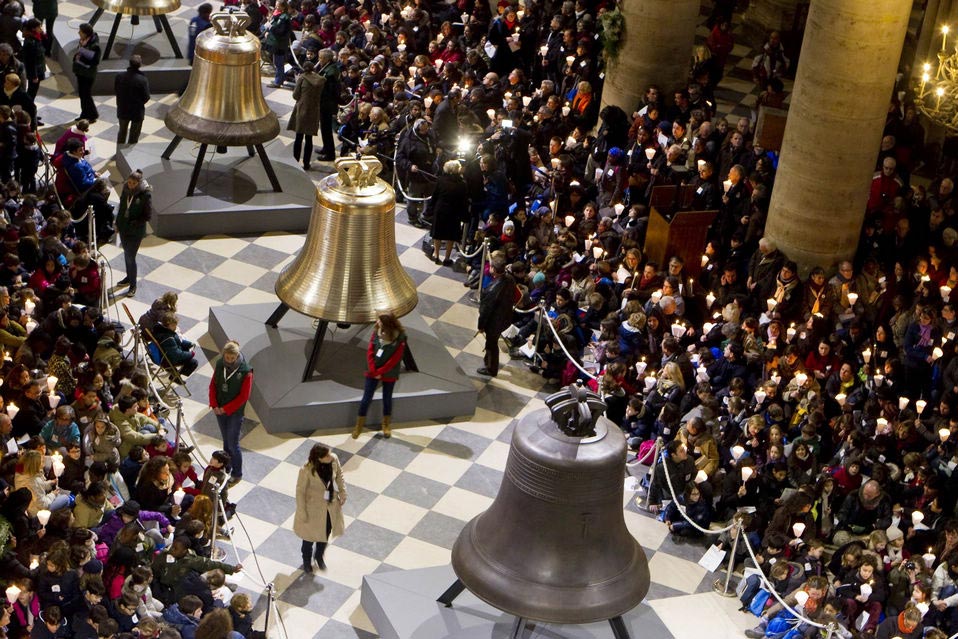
<point x="937" y="96"/>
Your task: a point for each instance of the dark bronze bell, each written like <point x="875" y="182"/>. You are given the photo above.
<point x="554" y="547"/>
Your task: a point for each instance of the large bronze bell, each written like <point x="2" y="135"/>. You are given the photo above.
<point x="223" y="104"/>
<point x="553" y="546"/>
<point x="348" y="271"/>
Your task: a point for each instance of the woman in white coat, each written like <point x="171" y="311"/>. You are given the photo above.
<point x="320" y="495"/>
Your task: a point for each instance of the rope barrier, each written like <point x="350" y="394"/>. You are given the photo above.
<point x="761" y="573"/>
<point x="562" y="346"/>
<point x="474" y="253"/>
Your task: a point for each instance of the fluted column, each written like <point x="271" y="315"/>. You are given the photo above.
<point x="844" y="82"/>
<point x="656" y="49"/>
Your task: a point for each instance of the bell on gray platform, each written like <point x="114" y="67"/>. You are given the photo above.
<point x="554" y="547"/>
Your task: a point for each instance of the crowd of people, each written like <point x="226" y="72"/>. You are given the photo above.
<point x="819" y="414"/>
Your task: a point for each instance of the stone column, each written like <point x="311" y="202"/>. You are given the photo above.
<point x="656" y="49"/>
<point x="844" y="82"/>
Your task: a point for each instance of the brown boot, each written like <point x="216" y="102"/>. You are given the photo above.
<point x="387" y="426"/>
<point x="360" y="424"/>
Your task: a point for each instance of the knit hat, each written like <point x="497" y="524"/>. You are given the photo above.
<point x="538" y="279"/>
<point x="93" y="567"/>
<point x="508" y="225"/>
<point x="130" y="508"/>
<point x="893" y="533"/>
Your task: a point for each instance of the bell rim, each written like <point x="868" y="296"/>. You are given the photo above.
<point x="116" y="6"/>
<point x="635" y="580"/>
<point x="215" y="132"/>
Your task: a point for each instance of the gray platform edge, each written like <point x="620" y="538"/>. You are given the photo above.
<point x="267" y="211"/>
<point x="446" y="405"/>
<point x="398" y="600"/>
<point x="166" y="75"/>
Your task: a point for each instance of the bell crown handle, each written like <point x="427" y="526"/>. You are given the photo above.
<point x="358" y="172"/>
<point x="230" y="24"/>
<point x="575" y="410"/>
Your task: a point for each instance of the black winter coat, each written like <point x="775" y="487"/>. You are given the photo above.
<point x="132" y="89"/>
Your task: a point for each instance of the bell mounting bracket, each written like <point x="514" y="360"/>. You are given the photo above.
<point x="575" y="410"/>
<point x="229" y="24"/>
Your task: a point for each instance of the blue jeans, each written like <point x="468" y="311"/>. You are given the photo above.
<point x="60" y="501"/>
<point x="279" y="62"/>
<point x="230" y="428"/>
<point x="369" y="389"/>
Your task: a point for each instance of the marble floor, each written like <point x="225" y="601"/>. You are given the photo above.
<point x="408" y="496"/>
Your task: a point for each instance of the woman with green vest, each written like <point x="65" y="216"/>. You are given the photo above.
<point x="229" y="391"/>
<point x="387" y="345"/>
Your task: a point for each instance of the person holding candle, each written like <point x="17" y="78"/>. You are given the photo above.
<point x="921" y="337"/>
<point x="862" y="589"/>
<point x="45" y="495"/>
<point x="680" y="468"/>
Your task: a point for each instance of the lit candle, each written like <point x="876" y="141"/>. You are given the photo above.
<point x="640" y="367"/>
<point x="771" y="303"/>
<point x="881" y="425"/>
<point x="760" y="396"/>
<point x="569" y="220"/>
<point x="944" y="36"/>
<point x="903" y="403"/>
<point x="569" y="59"/>
<point x="650" y="382"/>
<point x="43" y="517"/>
<point x="865" y="589"/>
<point x="566" y="111"/>
<point x="710" y="299"/>
<point x="12" y="593"/>
<point x="526" y="100"/>
<point x="797" y="529"/>
<point x="700" y="164"/>
<point x="945" y="292"/>
<point x="491" y="113"/>
<point x="543" y="50"/>
<point x="701" y="477"/>
<point x="939" y="93"/>
<point x="867" y="355"/>
<point x="879" y="378"/>
<point x="53" y="400"/>
<point x="944" y="434"/>
<point x="746" y="473"/>
<point x="917" y="517"/>
<point x="852" y="298"/>
<point x="925" y="77"/>
<point x="705" y="260"/>
<point x="178" y="496"/>
<point x="58" y="468"/>
<point x="790" y="333"/>
<point x="678" y="331"/>
<point x="937" y="353"/>
<point x="649" y="154"/>
<point x="555" y="161"/>
<point x="597" y="251"/>
<point x="656" y="296"/>
<point x="618" y="208"/>
<point x="727" y="184"/>
<point x="12" y="410"/>
<point x="929" y="559"/>
<point x="920" y="406"/>
<point x="737" y="452"/>
<point x="801" y="598"/>
<point x="28" y="306"/>
<point x="801" y="378"/>
<point x="51" y="382"/>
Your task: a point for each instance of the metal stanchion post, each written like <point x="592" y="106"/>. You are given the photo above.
<point x="482" y="268"/>
<point x="718" y="586"/>
<point x="542" y="317"/>
<point x="655" y="462"/>
<point x="269" y="604"/>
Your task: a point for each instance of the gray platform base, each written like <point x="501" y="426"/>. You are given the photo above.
<point x="284" y="403"/>
<point x="233" y="194"/>
<point x="402" y="605"/>
<point x="165" y="72"/>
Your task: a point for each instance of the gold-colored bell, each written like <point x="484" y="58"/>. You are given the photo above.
<point x="553" y="546"/>
<point x="223" y="104"/>
<point x="138" y="7"/>
<point x="348" y="270"/>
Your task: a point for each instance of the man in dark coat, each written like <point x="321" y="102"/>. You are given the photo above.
<point x="14" y="96"/>
<point x="132" y="89"/>
<point x="495" y="314"/>
<point x="445" y="123"/>
<point x="328" y="103"/>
